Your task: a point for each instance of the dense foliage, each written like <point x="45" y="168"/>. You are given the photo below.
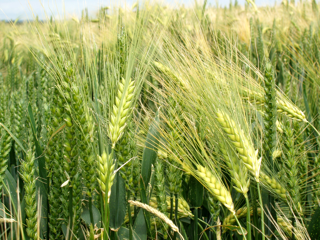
<point x="159" y="123"/>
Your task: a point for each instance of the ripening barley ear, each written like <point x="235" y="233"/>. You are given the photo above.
<point x="237" y="170"/>
<point x="283" y="105"/>
<point x="241" y="143"/>
<point x="106" y="173"/>
<point x="274" y="186"/>
<point x="215" y="187"/>
<point x="121" y="110"/>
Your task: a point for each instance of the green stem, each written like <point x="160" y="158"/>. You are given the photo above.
<point x="90" y="210"/>
<point x="293" y="223"/>
<point x="235" y="216"/>
<point x="176" y="214"/>
<point x="262" y="212"/>
<point x="106" y="203"/>
<point x="171" y="205"/>
<point x="70" y="213"/>
<point x="195" y="223"/>
<point x="130" y="218"/>
<point x="248" y="218"/>
<point x="253" y="193"/>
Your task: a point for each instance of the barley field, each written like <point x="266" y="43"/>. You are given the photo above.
<point x="153" y="122"/>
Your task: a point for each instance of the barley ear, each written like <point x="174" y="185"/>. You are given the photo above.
<point x="121" y="111"/>
<point x="215" y="187"/>
<point x="241" y="143"/>
<point x="105" y="173"/>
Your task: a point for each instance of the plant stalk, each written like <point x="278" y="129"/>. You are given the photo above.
<point x="248" y="218"/>
<point x="262" y="212"/>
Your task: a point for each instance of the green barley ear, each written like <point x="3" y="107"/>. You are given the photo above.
<point x="291" y="165"/>
<point x="241" y="143"/>
<point x="3" y="100"/>
<point x="28" y="176"/>
<point x="121" y="110"/>
<point x="106" y="173"/>
<point x="5" y="146"/>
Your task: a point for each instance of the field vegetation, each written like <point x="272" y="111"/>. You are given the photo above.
<point x="153" y="122"/>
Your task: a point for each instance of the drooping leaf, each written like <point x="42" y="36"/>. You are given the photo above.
<point x="10" y="188"/>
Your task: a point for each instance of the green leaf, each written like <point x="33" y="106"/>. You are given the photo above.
<point x="195" y="192"/>
<point x="117" y="203"/>
<point x="144" y="199"/>
<point x="10" y="188"/>
<point x="96" y="216"/>
<point x="140" y="227"/>
<point x="314" y="225"/>
<point x="150" y="151"/>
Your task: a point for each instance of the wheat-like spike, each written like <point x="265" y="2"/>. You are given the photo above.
<point x="215" y="187"/>
<point x="121" y="111"/>
<point x="158" y="214"/>
<point x="274" y="184"/>
<point x="239" y="140"/>
<point x="106" y="173"/>
<point x="237" y="170"/>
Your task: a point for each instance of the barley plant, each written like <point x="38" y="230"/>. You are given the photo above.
<point x="154" y="122"/>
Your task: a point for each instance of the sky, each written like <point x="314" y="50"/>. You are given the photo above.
<point x="13" y="9"/>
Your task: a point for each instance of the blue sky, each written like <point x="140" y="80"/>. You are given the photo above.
<point x="12" y="9"/>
